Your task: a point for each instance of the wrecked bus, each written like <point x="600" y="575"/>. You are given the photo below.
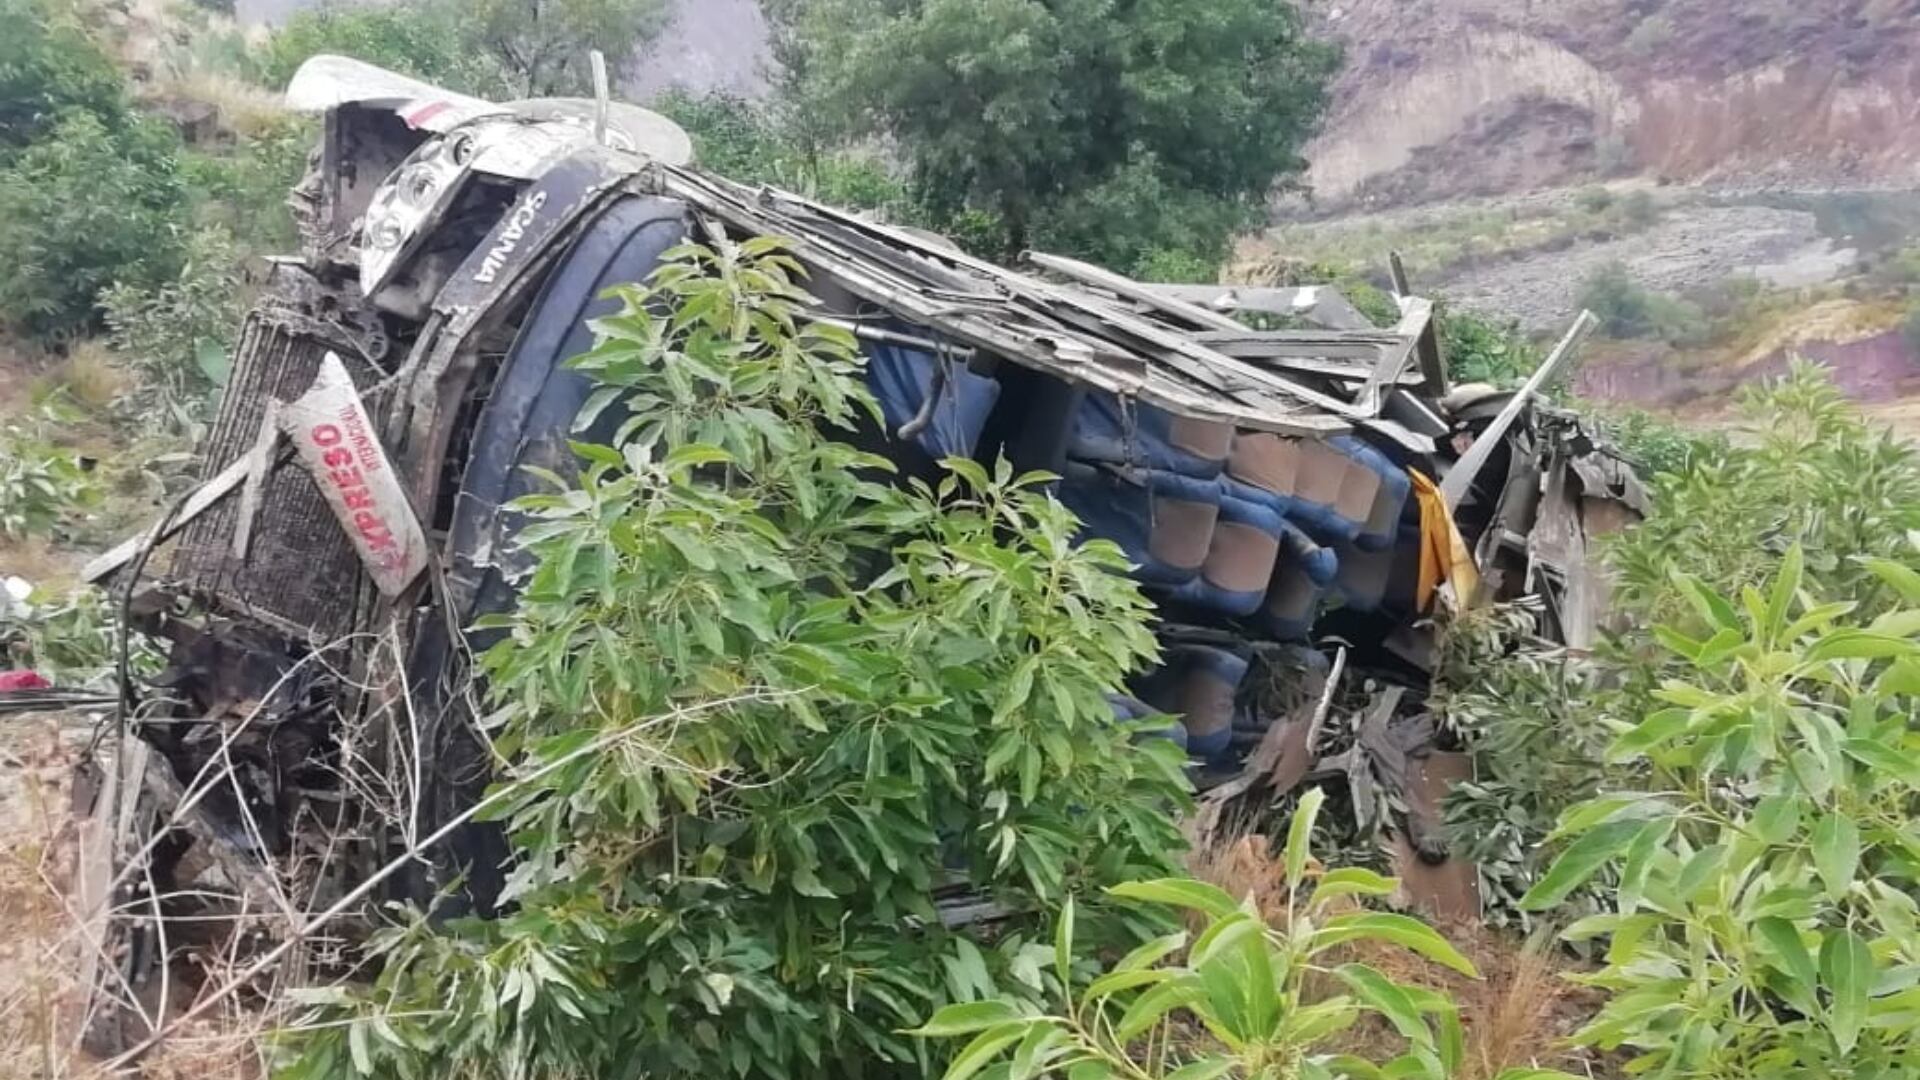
<point x="1297" y="501"/>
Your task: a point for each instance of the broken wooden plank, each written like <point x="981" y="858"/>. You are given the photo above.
<point x="203" y="498"/>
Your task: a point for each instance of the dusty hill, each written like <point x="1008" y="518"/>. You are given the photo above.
<point x="1457" y="97"/>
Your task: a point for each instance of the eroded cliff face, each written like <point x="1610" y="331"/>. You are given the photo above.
<point x="1453" y="97"/>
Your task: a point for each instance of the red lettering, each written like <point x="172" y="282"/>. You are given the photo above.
<point x="359" y="500"/>
<point x="372" y="529"/>
<point x="326" y="435"/>
<point x="337" y="457"/>
<point x="346" y="478"/>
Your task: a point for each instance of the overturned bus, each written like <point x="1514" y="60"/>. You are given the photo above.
<point x="1295" y="500"/>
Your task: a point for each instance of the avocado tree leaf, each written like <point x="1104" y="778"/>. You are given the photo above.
<point x="1836" y="853"/>
<point x="1300" y="835"/>
<point x="1401" y="930"/>
<point x="1582" y="859"/>
<point x="1846" y="968"/>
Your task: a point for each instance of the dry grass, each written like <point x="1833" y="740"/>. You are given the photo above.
<point x="89" y="375"/>
<point x="1518" y="1014"/>
<point x="36" y="845"/>
<point x="39" y="962"/>
<point x="40" y="561"/>
<point x="240" y="107"/>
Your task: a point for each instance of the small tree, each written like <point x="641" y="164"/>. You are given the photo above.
<point x="493" y="48"/>
<point x="49" y="68"/>
<point x="86" y="207"/>
<point x="812" y="700"/>
<point x="1765" y="922"/>
<point x="1043" y="113"/>
<point x="1236" y="1003"/>
<point x="543" y="44"/>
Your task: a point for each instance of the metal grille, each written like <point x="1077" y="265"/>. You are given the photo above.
<point x="300" y="573"/>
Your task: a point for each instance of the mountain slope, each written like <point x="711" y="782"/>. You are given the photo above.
<point x="1456" y="97"/>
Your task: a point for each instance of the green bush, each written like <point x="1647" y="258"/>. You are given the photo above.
<point x="498" y="49"/>
<point x="243" y="189"/>
<point x="1525" y="713"/>
<point x="1808" y="474"/>
<point x="747" y="143"/>
<point x="1136" y="213"/>
<point x="1765" y="921"/>
<point x="427" y="40"/>
<point x="68" y="637"/>
<point x="50" y="69"/>
<point x="1806" y="469"/>
<point x="1480" y="349"/>
<point x="175" y="337"/>
<point x="1656" y="446"/>
<point x="1235" y="1000"/>
<point x="1626" y="310"/>
<point x="84" y="208"/>
<point x="41" y="484"/>
<point x="757" y="708"/>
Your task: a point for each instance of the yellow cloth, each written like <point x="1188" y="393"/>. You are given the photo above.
<point x="1443" y="553"/>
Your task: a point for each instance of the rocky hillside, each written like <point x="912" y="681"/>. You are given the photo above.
<point x="1446" y="98"/>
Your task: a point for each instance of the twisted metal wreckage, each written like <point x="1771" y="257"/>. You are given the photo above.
<point x="316" y="716"/>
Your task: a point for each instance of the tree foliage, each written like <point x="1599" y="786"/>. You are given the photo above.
<point x="49" y="69"/>
<point x="492" y="48"/>
<point x="422" y="38"/>
<point x="1806" y="474"/>
<point x="1765" y="923"/>
<point x="753" y="143"/>
<point x="85" y="207"/>
<point x="1183" y="115"/>
<point x="1235" y="1001"/>
<point x="814" y="701"/>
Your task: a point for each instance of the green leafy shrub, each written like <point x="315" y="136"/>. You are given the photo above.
<point x="750" y="144"/>
<point x="1765" y="922"/>
<point x="1806" y="470"/>
<point x="426" y="40"/>
<point x="40" y="483"/>
<point x="1523" y="709"/>
<point x="176" y="337"/>
<point x="1656" y="446"/>
<point x="812" y="701"/>
<point x="497" y="49"/>
<point x="1139" y="212"/>
<point x="50" y="68"/>
<point x="1480" y="349"/>
<point x="1627" y="310"/>
<point x="1232" y="1002"/>
<point x="243" y="189"/>
<point x="84" y="208"/>
<point x="68" y="637"/>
